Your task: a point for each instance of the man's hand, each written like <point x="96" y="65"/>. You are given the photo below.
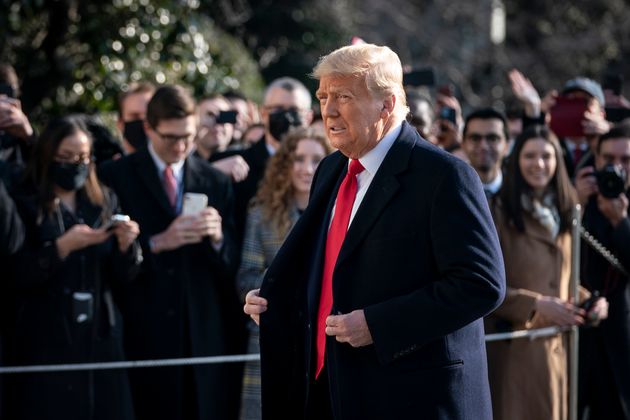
<point x="525" y="92"/>
<point x="614" y="209"/>
<point x="208" y="223"/>
<point x="585" y="184"/>
<point x="13" y="120"/>
<point x="233" y="166"/>
<point x="254" y="305"/>
<point x="126" y="233"/>
<point x="351" y="328"/>
<point x="594" y="124"/>
<point x="182" y="231"/>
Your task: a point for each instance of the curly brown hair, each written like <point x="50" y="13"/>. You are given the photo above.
<point x="276" y="194"/>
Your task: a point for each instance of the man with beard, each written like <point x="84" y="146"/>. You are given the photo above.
<point x="485" y="145"/>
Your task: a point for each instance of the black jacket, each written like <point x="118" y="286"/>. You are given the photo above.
<point x="422" y="259"/>
<point x="256" y="157"/>
<point x="183" y="300"/>
<point x="610" y="342"/>
<point x="44" y="327"/>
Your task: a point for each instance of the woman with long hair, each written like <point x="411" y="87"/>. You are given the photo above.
<point x="532" y="213"/>
<point x="65" y="310"/>
<point x="281" y="199"/>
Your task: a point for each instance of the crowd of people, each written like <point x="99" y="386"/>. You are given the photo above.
<point x="146" y="243"/>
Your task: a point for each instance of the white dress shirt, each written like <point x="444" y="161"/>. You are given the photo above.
<point x="371" y="161"/>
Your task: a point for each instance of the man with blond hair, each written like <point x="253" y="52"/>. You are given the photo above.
<point x="372" y="308"/>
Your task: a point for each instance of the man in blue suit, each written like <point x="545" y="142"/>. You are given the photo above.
<point x="372" y="308"/>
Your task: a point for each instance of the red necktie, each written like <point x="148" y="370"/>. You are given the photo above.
<point x="170" y="186"/>
<point x="577" y="155"/>
<point x="336" y="234"/>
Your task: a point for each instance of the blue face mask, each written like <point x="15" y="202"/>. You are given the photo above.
<point x="69" y="176"/>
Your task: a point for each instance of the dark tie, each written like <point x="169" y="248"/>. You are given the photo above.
<point x="170" y="186"/>
<point x="336" y="234"/>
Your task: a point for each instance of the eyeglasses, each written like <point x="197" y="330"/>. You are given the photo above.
<point x="491" y="138"/>
<point x="73" y="159"/>
<point x="174" y="138"/>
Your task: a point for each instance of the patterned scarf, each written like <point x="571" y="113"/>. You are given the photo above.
<point x="544" y="211"/>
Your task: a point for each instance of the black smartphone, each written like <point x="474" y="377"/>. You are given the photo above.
<point x="7" y="89"/>
<point x="449" y="114"/>
<point x="419" y="77"/>
<point x="616" y="115"/>
<point x="227" y="117"/>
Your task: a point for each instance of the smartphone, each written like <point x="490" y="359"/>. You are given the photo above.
<point x="616" y="115"/>
<point x="420" y="77"/>
<point x="194" y="203"/>
<point x="7" y="89"/>
<point x="567" y="115"/>
<point x="449" y="114"/>
<point x="227" y="117"/>
<point x="116" y="218"/>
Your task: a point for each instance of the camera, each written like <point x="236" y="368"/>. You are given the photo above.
<point x="611" y="181"/>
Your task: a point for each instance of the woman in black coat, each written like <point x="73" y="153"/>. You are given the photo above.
<point x="64" y="289"/>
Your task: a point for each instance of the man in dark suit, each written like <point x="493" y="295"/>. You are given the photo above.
<point x="372" y="308"/>
<point x="286" y="103"/>
<point x="604" y="383"/>
<point x="180" y="304"/>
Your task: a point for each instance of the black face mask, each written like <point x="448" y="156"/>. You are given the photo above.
<point x="135" y="135"/>
<point x="69" y="176"/>
<point x="281" y="121"/>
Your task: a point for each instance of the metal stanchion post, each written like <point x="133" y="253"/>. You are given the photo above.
<point x="574" y="291"/>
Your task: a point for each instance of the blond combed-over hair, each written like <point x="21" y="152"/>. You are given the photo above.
<point x="380" y="66"/>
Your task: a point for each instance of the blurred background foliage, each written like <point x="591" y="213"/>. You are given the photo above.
<point x="77" y="55"/>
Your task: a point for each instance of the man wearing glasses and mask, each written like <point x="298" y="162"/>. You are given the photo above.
<point x="182" y="300"/>
<point x="286" y="104"/>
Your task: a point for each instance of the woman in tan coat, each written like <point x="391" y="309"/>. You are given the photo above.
<point x="532" y="213"/>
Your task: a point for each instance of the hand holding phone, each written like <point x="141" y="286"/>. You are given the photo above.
<point x="567" y="115"/>
<point x="116" y="219"/>
<point x="194" y="203"/>
<point x="125" y="229"/>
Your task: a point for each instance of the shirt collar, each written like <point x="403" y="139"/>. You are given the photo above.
<point x="161" y="165"/>
<point x="270" y="149"/>
<point x="494" y="185"/>
<point x="372" y="160"/>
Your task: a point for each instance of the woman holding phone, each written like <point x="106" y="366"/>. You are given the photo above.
<point x="532" y="213"/>
<point x="73" y="258"/>
<point x="281" y="199"/>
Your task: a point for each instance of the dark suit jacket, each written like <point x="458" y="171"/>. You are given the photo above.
<point x="422" y="259"/>
<point x="256" y="157"/>
<point x="609" y="344"/>
<point x="183" y="300"/>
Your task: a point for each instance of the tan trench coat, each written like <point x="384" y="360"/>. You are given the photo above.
<point x="528" y="379"/>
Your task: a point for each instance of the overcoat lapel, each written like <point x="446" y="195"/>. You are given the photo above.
<point x="382" y="189"/>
